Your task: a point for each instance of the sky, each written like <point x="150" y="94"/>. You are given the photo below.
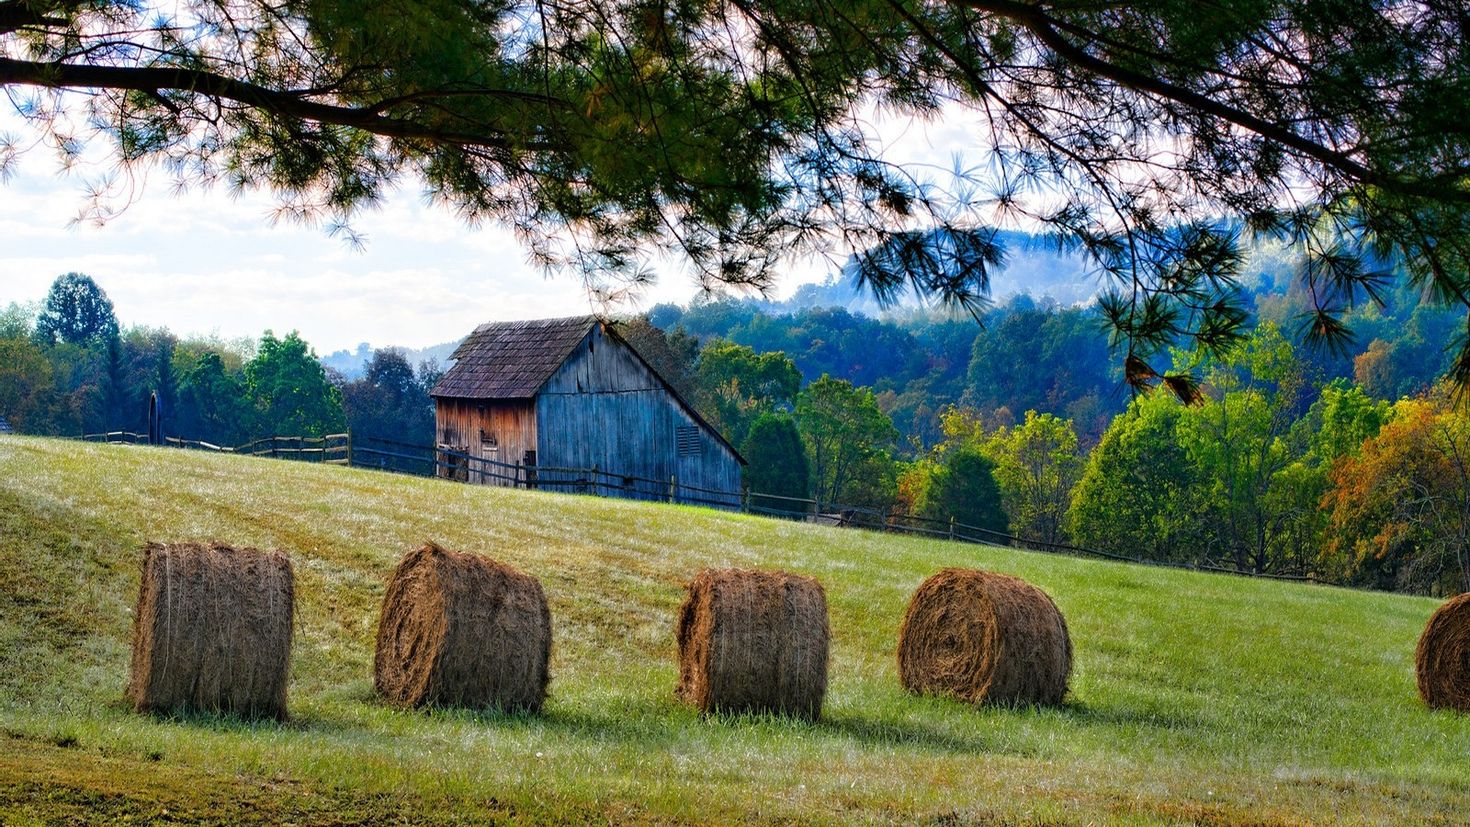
<point x="212" y="263"/>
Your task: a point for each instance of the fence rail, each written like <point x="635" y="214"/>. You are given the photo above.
<point x="437" y="461"/>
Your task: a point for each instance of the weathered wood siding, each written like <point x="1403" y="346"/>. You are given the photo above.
<point x="498" y="430"/>
<point x="605" y="408"/>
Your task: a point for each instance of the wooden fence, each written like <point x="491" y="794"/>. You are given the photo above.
<point x="423" y="460"/>
<point x="332" y="449"/>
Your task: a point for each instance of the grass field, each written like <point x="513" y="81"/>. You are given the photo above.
<point x="1195" y="698"/>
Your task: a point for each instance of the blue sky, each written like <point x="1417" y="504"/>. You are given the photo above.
<point x="208" y="262"/>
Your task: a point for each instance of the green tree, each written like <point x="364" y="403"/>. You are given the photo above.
<point x="213" y="403"/>
<point x="1037" y="464"/>
<point x="847" y="437"/>
<point x="18" y="321"/>
<point x="964" y="488"/>
<point x="1064" y="351"/>
<point x="389" y="401"/>
<point x="778" y="463"/>
<point x="76" y="311"/>
<point x="1342" y="419"/>
<point x="26" y="385"/>
<point x="1139" y="492"/>
<point x="1239" y="442"/>
<point x="290" y="390"/>
<point x="736" y="133"/>
<point x="737" y="385"/>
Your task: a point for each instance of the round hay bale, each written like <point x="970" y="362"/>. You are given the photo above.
<point x="984" y="638"/>
<point x="1442" y="659"/>
<point x="462" y="630"/>
<point x="753" y="641"/>
<point x="212" y="630"/>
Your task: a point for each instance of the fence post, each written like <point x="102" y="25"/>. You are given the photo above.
<point x="594" y="479"/>
<point x="745" y="500"/>
<point x="951" y="526"/>
<point x="673" y="484"/>
<point x="349" y="447"/>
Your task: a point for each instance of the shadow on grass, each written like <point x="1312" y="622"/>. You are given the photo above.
<point x="1082" y="713"/>
<point x="879" y="732"/>
<point x="229" y="723"/>
<point x="941" y="725"/>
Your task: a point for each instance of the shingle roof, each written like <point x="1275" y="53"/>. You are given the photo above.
<point x="511" y="360"/>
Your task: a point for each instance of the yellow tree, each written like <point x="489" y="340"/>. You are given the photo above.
<point x="1399" y="511"/>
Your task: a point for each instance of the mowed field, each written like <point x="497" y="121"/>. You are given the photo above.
<point x="1195" y="698"/>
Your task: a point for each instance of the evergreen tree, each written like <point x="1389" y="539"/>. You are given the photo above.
<point x="389" y="401"/>
<point x="777" y="463"/>
<point x="213" y="403"/>
<point x="964" y="488"/>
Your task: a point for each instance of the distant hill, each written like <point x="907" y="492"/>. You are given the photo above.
<point x="352" y="363"/>
<point x="1033" y="266"/>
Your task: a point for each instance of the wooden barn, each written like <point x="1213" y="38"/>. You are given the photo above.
<point x="567" y="404"/>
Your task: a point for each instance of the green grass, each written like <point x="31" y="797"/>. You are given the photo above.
<point x="1195" y="698"/>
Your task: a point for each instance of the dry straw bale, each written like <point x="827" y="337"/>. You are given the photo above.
<point x="212" y="631"/>
<point x="1442" y="660"/>
<point x="753" y="641"/>
<point x="984" y="638"/>
<point x="462" y="630"/>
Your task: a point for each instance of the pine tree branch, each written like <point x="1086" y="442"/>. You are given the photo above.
<point x="286" y="103"/>
<point x="1035" y="19"/>
<point x="18" y="14"/>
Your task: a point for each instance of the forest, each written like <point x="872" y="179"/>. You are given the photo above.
<point x="1346" y="465"/>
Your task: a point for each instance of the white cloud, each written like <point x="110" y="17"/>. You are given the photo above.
<point x="206" y="261"/>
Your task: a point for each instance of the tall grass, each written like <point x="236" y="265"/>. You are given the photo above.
<point x="1196" y="698"/>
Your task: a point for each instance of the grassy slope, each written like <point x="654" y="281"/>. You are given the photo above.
<point x="1195" y="697"/>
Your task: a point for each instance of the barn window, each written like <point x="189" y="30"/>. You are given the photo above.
<point x="487" y="438"/>
<point x="688" y="440"/>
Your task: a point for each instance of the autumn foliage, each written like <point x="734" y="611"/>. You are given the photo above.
<point x="1398" y="513"/>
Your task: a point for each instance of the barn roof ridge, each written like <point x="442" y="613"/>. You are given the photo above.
<point x="511" y="359"/>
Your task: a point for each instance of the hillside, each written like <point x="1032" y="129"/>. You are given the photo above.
<point x="1196" y="698"/>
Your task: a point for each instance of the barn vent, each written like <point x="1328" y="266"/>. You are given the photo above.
<point x="688" y="439"/>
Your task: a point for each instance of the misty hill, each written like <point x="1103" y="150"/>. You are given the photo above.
<point x="351" y="363"/>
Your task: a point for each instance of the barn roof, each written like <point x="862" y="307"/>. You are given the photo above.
<point x="511" y="360"/>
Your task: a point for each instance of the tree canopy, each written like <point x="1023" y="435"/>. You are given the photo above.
<point x="77" y="312"/>
<point x="290" y="388"/>
<point x="1152" y="135"/>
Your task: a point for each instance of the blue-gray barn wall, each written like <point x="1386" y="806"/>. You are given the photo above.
<point x="603" y="407"/>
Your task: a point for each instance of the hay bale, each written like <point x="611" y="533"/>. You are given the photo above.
<point x="753" y="641"/>
<point x="984" y="638"/>
<point x="1442" y="659"/>
<point x="462" y="630"/>
<point x="212" y="631"/>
